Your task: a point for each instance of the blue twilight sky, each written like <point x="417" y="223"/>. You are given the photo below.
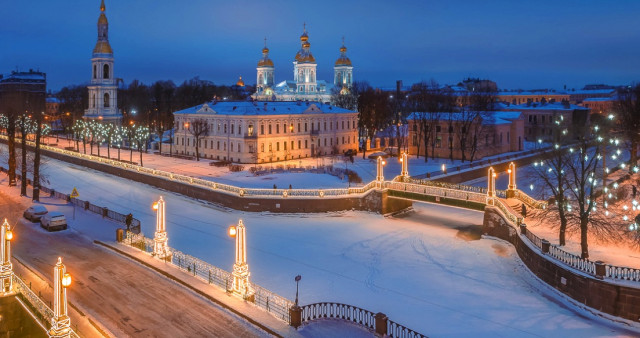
<point x="517" y="43"/>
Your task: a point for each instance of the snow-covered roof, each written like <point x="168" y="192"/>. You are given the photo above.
<point x="239" y="108"/>
<point x="488" y="118"/>
<point x="596" y="99"/>
<point x="541" y="106"/>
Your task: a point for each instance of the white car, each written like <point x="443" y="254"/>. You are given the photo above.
<point x="377" y="154"/>
<point x="35" y="212"/>
<point x="53" y="221"/>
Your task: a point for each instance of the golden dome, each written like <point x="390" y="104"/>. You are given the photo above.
<point x="265" y="63"/>
<point x="265" y="50"/>
<point x="102" y="47"/>
<point x="102" y="20"/>
<point x="343" y="49"/>
<point x="102" y="6"/>
<point x="343" y="61"/>
<point x="304" y="37"/>
<point x="303" y="57"/>
<point x="240" y="83"/>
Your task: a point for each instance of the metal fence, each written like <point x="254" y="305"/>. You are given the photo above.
<point x="273" y="303"/>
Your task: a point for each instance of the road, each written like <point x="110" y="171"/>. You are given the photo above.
<point x="123" y="296"/>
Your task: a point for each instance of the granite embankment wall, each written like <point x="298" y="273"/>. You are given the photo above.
<point x="613" y="298"/>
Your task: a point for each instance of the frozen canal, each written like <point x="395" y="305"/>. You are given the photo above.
<point x="427" y="270"/>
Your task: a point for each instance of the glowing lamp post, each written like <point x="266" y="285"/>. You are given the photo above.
<point x="160" y="248"/>
<point x="444" y="169"/>
<point x="60" y="323"/>
<point x="241" y="285"/>
<point x="405" y="166"/>
<point x="512" y="180"/>
<point x="491" y="189"/>
<point x="380" y="173"/>
<point x="6" y="269"/>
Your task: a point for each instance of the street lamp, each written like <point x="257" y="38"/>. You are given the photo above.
<point x="60" y="323"/>
<point x="241" y="285"/>
<point x="297" y="279"/>
<point x="184" y="140"/>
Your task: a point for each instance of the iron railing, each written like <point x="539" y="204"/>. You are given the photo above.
<point x="273" y="303"/>
<point x="397" y="330"/>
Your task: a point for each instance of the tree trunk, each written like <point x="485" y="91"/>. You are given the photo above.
<point x="563" y="225"/>
<point x="584" y="245"/>
<point x="198" y="149"/>
<point x="109" y="150"/>
<point x="141" y="157"/>
<point x="634" y="152"/>
<point x="36" y="163"/>
<point x="23" y="143"/>
<point x="11" y="133"/>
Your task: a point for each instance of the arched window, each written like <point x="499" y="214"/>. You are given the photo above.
<point x="93" y="101"/>
<point x="260" y="78"/>
<point x="94" y="71"/>
<point x="105" y="72"/>
<point x="106" y="100"/>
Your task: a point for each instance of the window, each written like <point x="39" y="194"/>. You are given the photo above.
<point x="225" y="128"/>
<point x="325" y="125"/>
<point x="93" y="101"/>
<point x="231" y="146"/>
<point x="105" y="72"/>
<point x="299" y="127"/>
<point x="239" y="130"/>
<point x="284" y="144"/>
<point x="94" y="71"/>
<point x="233" y="127"/>
<point x="270" y="147"/>
<point x="284" y="128"/>
<point x="218" y="147"/>
<point x="305" y="127"/>
<point x="299" y="144"/>
<point x="438" y="141"/>
<point x="277" y="146"/>
<point x="291" y="145"/>
<point x="106" y="100"/>
<point x="306" y="144"/>
<point x="269" y="129"/>
<point x="262" y="147"/>
<point x="262" y="129"/>
<point x="277" y="129"/>
<point x="325" y="142"/>
<point x="224" y="146"/>
<point x="342" y="125"/>
<point x="438" y="129"/>
<point x="239" y="148"/>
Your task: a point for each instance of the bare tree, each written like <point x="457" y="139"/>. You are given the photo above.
<point x="199" y="128"/>
<point x="36" y="161"/>
<point x="627" y="108"/>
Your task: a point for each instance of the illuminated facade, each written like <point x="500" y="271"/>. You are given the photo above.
<point x="305" y="85"/>
<point x="103" y="91"/>
<point x="262" y="132"/>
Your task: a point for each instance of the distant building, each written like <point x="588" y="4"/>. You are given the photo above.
<point x="539" y="117"/>
<point x="103" y="90"/>
<point x="599" y="105"/>
<point x="305" y="86"/>
<point x="52" y="106"/>
<point x="23" y="93"/>
<point x="577" y="96"/>
<point x="535" y="96"/>
<point x="496" y="132"/>
<point x="262" y="132"/>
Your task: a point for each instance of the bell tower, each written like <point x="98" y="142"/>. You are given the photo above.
<point x="265" y="71"/>
<point x="343" y="70"/>
<point x="103" y="91"/>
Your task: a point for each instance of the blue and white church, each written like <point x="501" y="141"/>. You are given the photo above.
<point x="304" y="86"/>
<point x="103" y="90"/>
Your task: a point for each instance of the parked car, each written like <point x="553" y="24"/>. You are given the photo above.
<point x="377" y="154"/>
<point x="53" y="221"/>
<point x="35" y="212"/>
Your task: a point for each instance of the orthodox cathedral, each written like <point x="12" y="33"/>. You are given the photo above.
<point x="103" y="90"/>
<point x="305" y="86"/>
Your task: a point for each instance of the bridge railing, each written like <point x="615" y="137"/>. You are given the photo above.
<point x="528" y="200"/>
<point x="360" y="316"/>
<point x="436" y="191"/>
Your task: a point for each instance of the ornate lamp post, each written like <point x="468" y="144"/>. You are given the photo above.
<point x="60" y="323"/>
<point x="160" y="248"/>
<point x="380" y="172"/>
<point x="405" y="166"/>
<point x="491" y="189"/>
<point x="6" y="269"/>
<point x="184" y="140"/>
<point x="511" y="191"/>
<point x="241" y="285"/>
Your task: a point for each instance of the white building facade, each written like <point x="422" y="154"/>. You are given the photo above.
<point x="263" y="132"/>
<point x="305" y="85"/>
<point x="103" y="91"/>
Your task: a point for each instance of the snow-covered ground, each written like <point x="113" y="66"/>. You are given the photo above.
<point x="422" y="269"/>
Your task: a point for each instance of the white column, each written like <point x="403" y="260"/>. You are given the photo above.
<point x="160" y="247"/>
<point x="405" y="166"/>
<point x="491" y="189"/>
<point x="60" y="323"/>
<point x="6" y="268"/>
<point x="512" y="176"/>
<point x="380" y="173"/>
<point x="241" y="285"/>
